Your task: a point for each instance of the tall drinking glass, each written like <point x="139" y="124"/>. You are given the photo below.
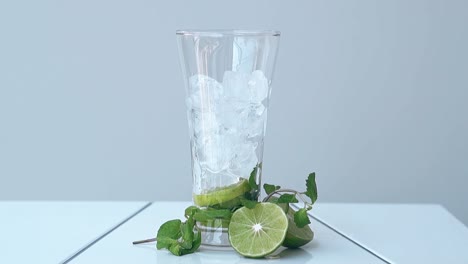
<point x="227" y="76"/>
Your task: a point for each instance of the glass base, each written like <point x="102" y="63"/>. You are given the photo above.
<point x="215" y="233"/>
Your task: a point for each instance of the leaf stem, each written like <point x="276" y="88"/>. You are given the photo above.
<point x="298" y="194"/>
<point x="279" y="191"/>
<point x="149" y="240"/>
<point x="304" y="201"/>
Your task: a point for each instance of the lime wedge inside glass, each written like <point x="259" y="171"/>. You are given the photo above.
<point x="223" y="197"/>
<point x="259" y="231"/>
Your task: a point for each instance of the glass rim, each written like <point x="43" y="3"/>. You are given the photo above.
<point x="227" y="32"/>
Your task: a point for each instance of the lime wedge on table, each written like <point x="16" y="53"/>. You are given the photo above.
<point x="259" y="231"/>
<point x="296" y="236"/>
<point x="225" y="197"/>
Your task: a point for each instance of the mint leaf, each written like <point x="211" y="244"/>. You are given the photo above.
<point x="191" y="237"/>
<point x="184" y="251"/>
<point x="254" y="188"/>
<point x="311" y="190"/>
<point x="205" y="215"/>
<point x="187" y="234"/>
<point x="301" y="218"/>
<point x="248" y="203"/>
<point x="167" y="233"/>
<point x="191" y="210"/>
<point x="269" y="188"/>
<point x="287" y="198"/>
<point x="196" y="241"/>
<point x="165" y="242"/>
<point x="175" y="249"/>
<point x="253" y="179"/>
<point x="179" y="237"/>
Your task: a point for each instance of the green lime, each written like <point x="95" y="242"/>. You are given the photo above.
<point x="295" y="237"/>
<point x="259" y="231"/>
<point x="223" y="197"/>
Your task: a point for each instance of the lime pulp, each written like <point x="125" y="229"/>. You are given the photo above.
<point x="259" y="231"/>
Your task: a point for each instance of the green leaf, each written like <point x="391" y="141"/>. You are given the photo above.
<point x="170" y="229"/>
<point x="301" y="218"/>
<point x="165" y="242"/>
<point x="287" y="198"/>
<point x="187" y="234"/>
<point x="195" y="244"/>
<point x="196" y="240"/>
<point x="253" y="180"/>
<point x="168" y="232"/>
<point x="180" y="238"/>
<point x="176" y="249"/>
<point x="254" y="188"/>
<point x="191" y="210"/>
<point x="205" y="215"/>
<point x="248" y="203"/>
<point x="311" y="190"/>
<point x="269" y="188"/>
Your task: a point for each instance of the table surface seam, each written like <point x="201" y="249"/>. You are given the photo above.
<point x="94" y="241"/>
<point x="363" y="247"/>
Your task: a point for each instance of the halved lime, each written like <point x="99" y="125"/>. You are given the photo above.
<point x="296" y="236"/>
<point x="259" y="231"/>
<point x="223" y="197"/>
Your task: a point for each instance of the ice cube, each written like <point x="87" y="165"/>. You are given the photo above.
<point x="210" y="146"/>
<point x="235" y="87"/>
<point x="231" y="121"/>
<point x="244" y="54"/>
<point x="203" y="123"/>
<point x="258" y="86"/>
<point x="204" y="93"/>
<point x="244" y="159"/>
<point x="213" y="155"/>
<point x="254" y="124"/>
<point x="211" y="180"/>
<point x="214" y="147"/>
<point x="228" y="121"/>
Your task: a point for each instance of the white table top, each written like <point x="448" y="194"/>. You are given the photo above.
<point x="327" y="247"/>
<point x="400" y="233"/>
<point x="102" y="232"/>
<point x="51" y="232"/>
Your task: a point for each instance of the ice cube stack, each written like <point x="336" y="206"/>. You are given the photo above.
<point x="227" y="121"/>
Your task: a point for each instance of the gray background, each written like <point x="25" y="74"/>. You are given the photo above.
<point x="369" y="94"/>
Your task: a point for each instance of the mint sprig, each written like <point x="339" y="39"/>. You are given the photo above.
<point x="179" y="237"/>
<point x="301" y="217"/>
<point x="182" y="238"/>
